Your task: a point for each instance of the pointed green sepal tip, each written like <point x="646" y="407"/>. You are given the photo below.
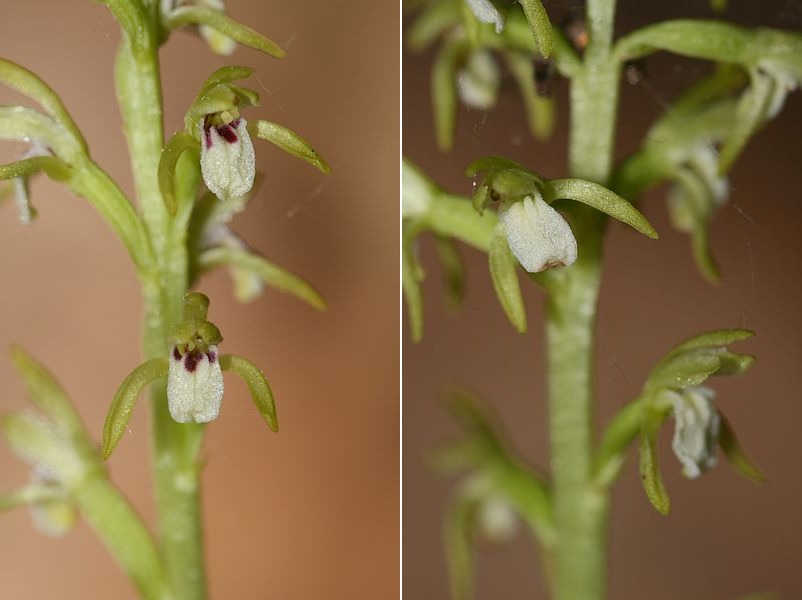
<point x="505" y="280"/>
<point x="735" y="453"/>
<point x="259" y="388"/>
<point x="122" y="406"/>
<point x="650" y="475"/>
<point x="539" y="23"/>
<point x="600" y="198"/>
<point x="290" y="142"/>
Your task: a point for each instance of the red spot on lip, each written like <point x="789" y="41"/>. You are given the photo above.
<point x="176" y="353"/>
<point x="191" y="361"/>
<point x="212" y="357"/>
<point x="228" y="133"/>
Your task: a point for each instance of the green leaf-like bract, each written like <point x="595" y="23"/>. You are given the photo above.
<point x="649" y="466"/>
<point x="539" y="22"/>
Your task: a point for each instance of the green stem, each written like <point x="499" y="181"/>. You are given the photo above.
<point x="175" y="446"/>
<point x="580" y="506"/>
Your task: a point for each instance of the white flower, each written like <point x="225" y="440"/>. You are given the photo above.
<point x="55" y="516"/>
<point x="696" y="429"/>
<point x="218" y="42"/>
<point x="537" y="234"/>
<point x="416" y="192"/>
<point x="478" y="80"/>
<point x="227" y="159"/>
<point x="486" y="12"/>
<point x="497" y="520"/>
<point x="700" y="189"/>
<point x="194" y="385"/>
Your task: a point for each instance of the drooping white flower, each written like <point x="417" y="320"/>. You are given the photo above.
<point x="478" y="81"/>
<point x="194" y="385"/>
<point x="497" y="520"/>
<point x="700" y="189"/>
<point x="55" y="516"/>
<point x="218" y="42"/>
<point x="486" y="12"/>
<point x="247" y="284"/>
<point x="227" y="159"/>
<point x="696" y="429"/>
<point x="537" y="234"/>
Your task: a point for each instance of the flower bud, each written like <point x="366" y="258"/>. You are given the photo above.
<point x="194" y="385"/>
<point x="227" y="160"/>
<point x="696" y="429"/>
<point x="537" y="234"/>
<point x="478" y="81"/>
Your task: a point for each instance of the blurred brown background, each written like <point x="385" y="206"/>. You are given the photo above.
<point x="725" y="536"/>
<point x="313" y="511"/>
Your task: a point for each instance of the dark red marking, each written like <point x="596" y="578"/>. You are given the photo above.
<point x="191" y="361"/>
<point x="228" y="133"/>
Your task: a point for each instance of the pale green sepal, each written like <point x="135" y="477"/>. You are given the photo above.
<point x="258" y="386"/>
<point x="505" y="280"/>
<point x="752" y="111"/>
<point x="54" y="167"/>
<point x="735" y="453"/>
<point x="457" y="534"/>
<point x="41" y="443"/>
<point x="621" y="431"/>
<point x="685" y="369"/>
<point x="717" y="337"/>
<point x="453" y="269"/>
<point x="649" y="466"/>
<point x="47" y="393"/>
<point x="272" y="274"/>
<point x="219" y="98"/>
<point x="192" y="15"/>
<point x="27" y="83"/>
<point x="290" y="142"/>
<point x="122" y="406"/>
<point x="25" y="124"/>
<point x="434" y="20"/>
<point x="539" y="22"/>
<point x="226" y="75"/>
<point x="444" y="93"/>
<point x="178" y="144"/>
<point x="539" y="109"/>
<point x="411" y="276"/>
<point x="600" y="198"/>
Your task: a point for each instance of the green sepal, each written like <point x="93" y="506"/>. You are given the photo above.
<point x="25" y="82"/>
<point x="47" y="394"/>
<point x="273" y="275"/>
<point x="504" y="181"/>
<point x="600" y="198"/>
<point x="686" y="369"/>
<point x="257" y="384"/>
<point x="290" y="142"/>
<point x="751" y="113"/>
<point x="219" y="98"/>
<point x="703" y="254"/>
<point x="411" y="278"/>
<point x="444" y="92"/>
<point x="41" y="442"/>
<point x="540" y="24"/>
<point x="22" y="124"/>
<point x="122" y="406"/>
<point x="55" y="168"/>
<point x="453" y="269"/>
<point x="717" y="337"/>
<point x="621" y="431"/>
<point x="539" y="109"/>
<point x="192" y="15"/>
<point x="433" y="21"/>
<point x="735" y="453"/>
<point x="651" y="478"/>
<point x="180" y="142"/>
<point x="458" y="538"/>
<point x="505" y="280"/>
<point x="226" y="74"/>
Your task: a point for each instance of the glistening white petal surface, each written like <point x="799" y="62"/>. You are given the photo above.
<point x="486" y="12"/>
<point x="538" y="235"/>
<point x="195" y="395"/>
<point x="478" y="81"/>
<point x="228" y="168"/>
<point x="696" y="429"/>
